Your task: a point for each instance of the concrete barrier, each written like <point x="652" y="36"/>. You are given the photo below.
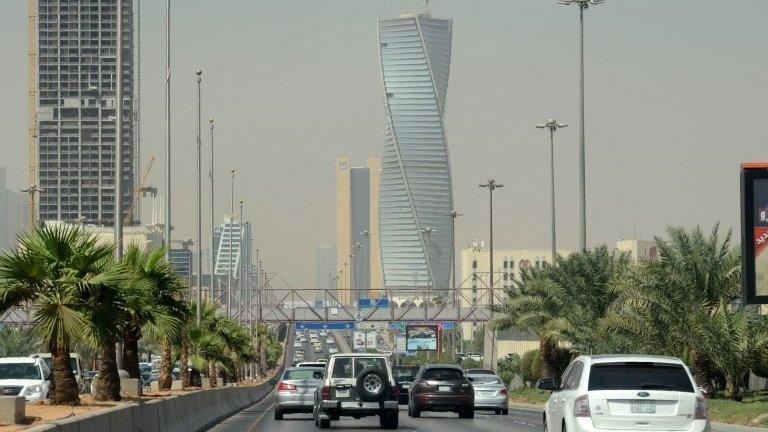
<point x="130" y="387"/>
<point x="12" y="409"/>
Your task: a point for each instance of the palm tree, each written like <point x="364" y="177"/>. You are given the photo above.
<point x="661" y="305"/>
<point x="159" y="311"/>
<point x="53" y="271"/>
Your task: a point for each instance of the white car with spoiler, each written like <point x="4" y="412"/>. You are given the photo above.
<point x="625" y="393"/>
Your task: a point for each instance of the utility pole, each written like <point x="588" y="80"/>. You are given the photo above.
<point x="367" y="264"/>
<point x="454" y="214"/>
<point x="240" y="264"/>
<point x="231" y="223"/>
<point x="552" y="125"/>
<point x="118" y="200"/>
<point x="490" y="336"/>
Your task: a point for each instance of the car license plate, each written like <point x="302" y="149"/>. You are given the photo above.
<point x="342" y="393"/>
<point x="406" y="385"/>
<point x="444" y="388"/>
<point x="643" y="406"/>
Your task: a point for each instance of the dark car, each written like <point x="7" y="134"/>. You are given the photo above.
<point x="404" y="376"/>
<point x="441" y="388"/>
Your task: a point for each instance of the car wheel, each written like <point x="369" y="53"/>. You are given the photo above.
<point x="372" y="384"/>
<point x="278" y="415"/>
<point x="325" y="423"/>
<point x="388" y="420"/>
<point x="504" y="411"/>
<point x="467" y="414"/>
<point x="334" y="417"/>
<point x="497" y="412"/>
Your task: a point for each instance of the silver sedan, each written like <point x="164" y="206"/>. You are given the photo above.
<point x="295" y="390"/>
<point x="490" y="393"/>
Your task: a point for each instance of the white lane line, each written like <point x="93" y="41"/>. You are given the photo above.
<point x="258" y="419"/>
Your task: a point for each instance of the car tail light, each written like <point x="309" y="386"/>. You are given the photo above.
<point x="503" y="392"/>
<point x="395" y="391"/>
<point x="325" y="393"/>
<point x="701" y="409"/>
<point x="581" y="406"/>
<point x="283" y="387"/>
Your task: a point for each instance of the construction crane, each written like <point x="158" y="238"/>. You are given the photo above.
<point x="141" y="190"/>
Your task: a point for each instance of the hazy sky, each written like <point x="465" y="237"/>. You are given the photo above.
<point x="676" y="97"/>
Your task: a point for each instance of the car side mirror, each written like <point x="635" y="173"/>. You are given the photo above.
<point x="703" y="390"/>
<point x="546" y="384"/>
<point x="273" y="382"/>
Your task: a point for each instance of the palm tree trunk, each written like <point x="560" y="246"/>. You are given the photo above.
<point x="548" y="354"/>
<point x="732" y="388"/>
<point x="213" y="374"/>
<point x="108" y="384"/>
<point x="262" y="359"/>
<point x="131" y="350"/>
<point x="183" y="365"/>
<point x="64" y="390"/>
<point x="703" y="372"/>
<point x="166" y="368"/>
<point x="194" y="378"/>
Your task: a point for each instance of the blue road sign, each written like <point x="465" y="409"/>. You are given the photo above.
<point x="369" y="303"/>
<point x="330" y="325"/>
<point x="447" y="325"/>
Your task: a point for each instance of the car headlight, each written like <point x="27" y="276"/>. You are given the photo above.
<point x="33" y="389"/>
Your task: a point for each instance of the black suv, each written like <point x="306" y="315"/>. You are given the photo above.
<point x="441" y="388"/>
<point x="404" y="376"/>
<point x="357" y="385"/>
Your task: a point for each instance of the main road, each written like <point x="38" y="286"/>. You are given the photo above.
<point x="260" y="416"/>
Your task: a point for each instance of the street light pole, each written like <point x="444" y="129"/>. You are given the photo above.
<point x="240" y="309"/>
<point x="229" y="260"/>
<point x="198" y="310"/>
<point x="583" y="5"/>
<point x="454" y="214"/>
<point x="367" y="264"/>
<point x="491" y="185"/>
<point x="118" y="202"/>
<point x="213" y="220"/>
<point x="167" y="131"/>
<point x="552" y="125"/>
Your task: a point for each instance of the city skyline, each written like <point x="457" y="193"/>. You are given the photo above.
<point x="669" y="156"/>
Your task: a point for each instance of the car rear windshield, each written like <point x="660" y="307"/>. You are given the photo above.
<point x="440" y="374"/>
<point x="405" y="373"/>
<point x="484" y="379"/>
<point x="639" y="376"/>
<point x="28" y="371"/>
<point x="303" y="374"/>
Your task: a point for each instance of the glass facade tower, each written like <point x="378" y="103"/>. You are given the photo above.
<point x="416" y="192"/>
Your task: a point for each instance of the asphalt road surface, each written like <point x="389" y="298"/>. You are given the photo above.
<point x="260" y="417"/>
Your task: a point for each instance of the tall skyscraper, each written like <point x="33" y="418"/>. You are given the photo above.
<point x="357" y="253"/>
<point x="76" y="101"/>
<point x="416" y="191"/>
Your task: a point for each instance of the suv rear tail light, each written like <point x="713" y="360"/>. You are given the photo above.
<point x="325" y="393"/>
<point x="282" y="387"/>
<point x="701" y="409"/>
<point x="503" y="392"/>
<point x="395" y="391"/>
<point x="581" y="406"/>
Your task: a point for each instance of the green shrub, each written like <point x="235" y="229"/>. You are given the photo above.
<point x="510" y="363"/>
<point x="471" y="364"/>
<point x="526" y="365"/>
<point x="536" y="367"/>
<point x="506" y="376"/>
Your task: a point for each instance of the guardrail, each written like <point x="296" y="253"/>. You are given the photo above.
<point x="195" y="411"/>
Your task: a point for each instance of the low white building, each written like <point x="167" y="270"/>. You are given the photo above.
<point x="145" y="238"/>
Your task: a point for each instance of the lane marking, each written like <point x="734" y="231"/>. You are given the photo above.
<point x="258" y="419"/>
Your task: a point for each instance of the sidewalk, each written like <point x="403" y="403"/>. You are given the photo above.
<point x="716" y="427"/>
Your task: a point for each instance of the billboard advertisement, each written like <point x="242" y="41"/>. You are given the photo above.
<point x="421" y="337"/>
<point x="400" y="345"/>
<point x="370" y="340"/>
<point x="358" y="341"/>
<point x="754" y="232"/>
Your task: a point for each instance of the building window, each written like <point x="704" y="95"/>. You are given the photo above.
<point x="505" y="263"/>
<point x="511" y="264"/>
<point x="506" y="277"/>
<point x="474" y="264"/>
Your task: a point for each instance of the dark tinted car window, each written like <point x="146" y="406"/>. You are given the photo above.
<point x="639" y="376"/>
<point x="481" y="372"/>
<point x="439" y="374"/>
<point x="405" y="373"/>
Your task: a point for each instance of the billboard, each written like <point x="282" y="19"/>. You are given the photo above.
<point x="400" y="345"/>
<point x="754" y="232"/>
<point x="358" y="341"/>
<point x="370" y="340"/>
<point x="421" y="337"/>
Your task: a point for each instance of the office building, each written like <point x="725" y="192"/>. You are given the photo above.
<point x="357" y="246"/>
<point x="181" y="262"/>
<point x="416" y="191"/>
<point x="75" y="109"/>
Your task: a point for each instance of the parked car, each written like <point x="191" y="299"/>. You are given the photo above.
<point x="297" y="344"/>
<point x="25" y="376"/>
<point x="296" y="389"/>
<point x="404" y="376"/>
<point x="75" y="362"/>
<point x="441" y="388"/>
<point x="627" y="392"/>
<point x="330" y="340"/>
<point x="333" y="350"/>
<point x="357" y="385"/>
<point x="490" y="392"/>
